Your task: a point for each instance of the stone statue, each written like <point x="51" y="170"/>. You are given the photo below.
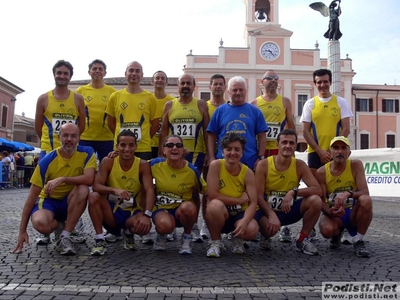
<point x="333" y="12"/>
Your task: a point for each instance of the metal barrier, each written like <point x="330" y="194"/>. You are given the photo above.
<point x="7" y="177"/>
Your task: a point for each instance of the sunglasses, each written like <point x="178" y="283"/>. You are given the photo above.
<point x="276" y="77"/>
<point x="171" y="145"/>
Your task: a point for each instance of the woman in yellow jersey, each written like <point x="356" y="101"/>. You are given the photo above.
<point x="178" y="184"/>
<point x="233" y="198"/>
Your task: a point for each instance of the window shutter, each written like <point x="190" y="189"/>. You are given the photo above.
<point x="357" y="104"/>
<point x="396" y="105"/>
<point x="4" y="117"/>
<point x="383" y="105"/>
<point x="370" y="105"/>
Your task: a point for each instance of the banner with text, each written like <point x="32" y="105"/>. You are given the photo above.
<point x="382" y="169"/>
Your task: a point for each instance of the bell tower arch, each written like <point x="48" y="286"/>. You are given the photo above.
<point x="262" y="11"/>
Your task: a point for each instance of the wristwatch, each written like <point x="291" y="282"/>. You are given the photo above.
<point x="148" y="213"/>
<point x="260" y="157"/>
<point x="295" y="193"/>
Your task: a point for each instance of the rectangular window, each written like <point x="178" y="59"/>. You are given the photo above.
<point x="364" y="141"/>
<point x="364" y="104"/>
<point x="390" y="105"/>
<point x="390" y="141"/>
<point x="30" y="137"/>
<point x="205" y="96"/>
<point x="301" y="100"/>
<point x="4" y="115"/>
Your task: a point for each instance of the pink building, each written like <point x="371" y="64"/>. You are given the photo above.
<point x="376" y="116"/>
<point x="8" y="92"/>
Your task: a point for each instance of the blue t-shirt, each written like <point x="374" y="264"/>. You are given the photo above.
<point x="246" y="119"/>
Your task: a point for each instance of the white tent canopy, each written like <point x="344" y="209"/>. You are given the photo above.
<point x="35" y="151"/>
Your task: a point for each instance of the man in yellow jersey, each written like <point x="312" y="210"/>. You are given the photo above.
<point x="96" y="94"/>
<point x="59" y="191"/>
<point x="277" y="110"/>
<point x="280" y="200"/>
<point x="346" y="203"/>
<point x="159" y="81"/>
<point x="217" y="87"/>
<point x="57" y="107"/>
<point x="115" y="200"/>
<point x="324" y="117"/>
<point x="53" y="109"/>
<point x="188" y="118"/>
<point x="134" y="108"/>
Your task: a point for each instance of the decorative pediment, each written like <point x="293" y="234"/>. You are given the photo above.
<point x="267" y="30"/>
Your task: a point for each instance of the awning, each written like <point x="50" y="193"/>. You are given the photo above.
<point x="14" y="146"/>
<point x="22" y="146"/>
<point x="6" y="143"/>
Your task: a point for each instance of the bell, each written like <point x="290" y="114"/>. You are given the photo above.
<point x="260" y="14"/>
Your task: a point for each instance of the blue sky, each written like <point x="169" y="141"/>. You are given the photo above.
<point x="160" y="34"/>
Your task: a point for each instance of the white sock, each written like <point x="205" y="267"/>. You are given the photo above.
<point x="358" y="237"/>
<point x="66" y="233"/>
<point x="100" y="236"/>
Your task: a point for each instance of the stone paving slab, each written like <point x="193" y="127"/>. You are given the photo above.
<point x="283" y="273"/>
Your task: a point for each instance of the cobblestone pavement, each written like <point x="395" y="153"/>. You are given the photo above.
<point x="283" y="273"/>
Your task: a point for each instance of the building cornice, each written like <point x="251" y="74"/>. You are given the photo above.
<point x="9" y="87"/>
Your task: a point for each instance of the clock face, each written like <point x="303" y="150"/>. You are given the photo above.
<point x="270" y="51"/>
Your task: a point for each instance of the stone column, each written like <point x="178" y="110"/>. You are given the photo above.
<point x="334" y="66"/>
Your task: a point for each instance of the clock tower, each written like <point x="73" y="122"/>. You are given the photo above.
<point x="267" y="46"/>
<point x="264" y="35"/>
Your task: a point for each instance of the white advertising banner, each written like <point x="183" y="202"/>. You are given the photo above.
<point x="382" y="169"/>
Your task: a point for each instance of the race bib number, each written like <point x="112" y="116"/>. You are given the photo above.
<point x="164" y="200"/>
<point x="234" y="209"/>
<point x="136" y="129"/>
<point x="59" y="120"/>
<point x="185" y="130"/>
<point x="273" y="131"/>
<point x="275" y="200"/>
<point x="331" y="200"/>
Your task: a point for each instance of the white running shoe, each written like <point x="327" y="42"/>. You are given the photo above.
<point x="306" y="247"/>
<point x="346" y="239"/>
<point x="65" y="246"/>
<point x="129" y="241"/>
<point x="99" y="248"/>
<point x="147" y="240"/>
<point x="112" y="238"/>
<point x="285" y="236"/>
<point x="265" y="243"/>
<point x="237" y="246"/>
<point x="214" y="248"/>
<point x="43" y="239"/>
<point x="186" y="244"/>
<point x="159" y="243"/>
<point x="172" y="236"/>
<point x="196" y="234"/>
<point x="205" y="234"/>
